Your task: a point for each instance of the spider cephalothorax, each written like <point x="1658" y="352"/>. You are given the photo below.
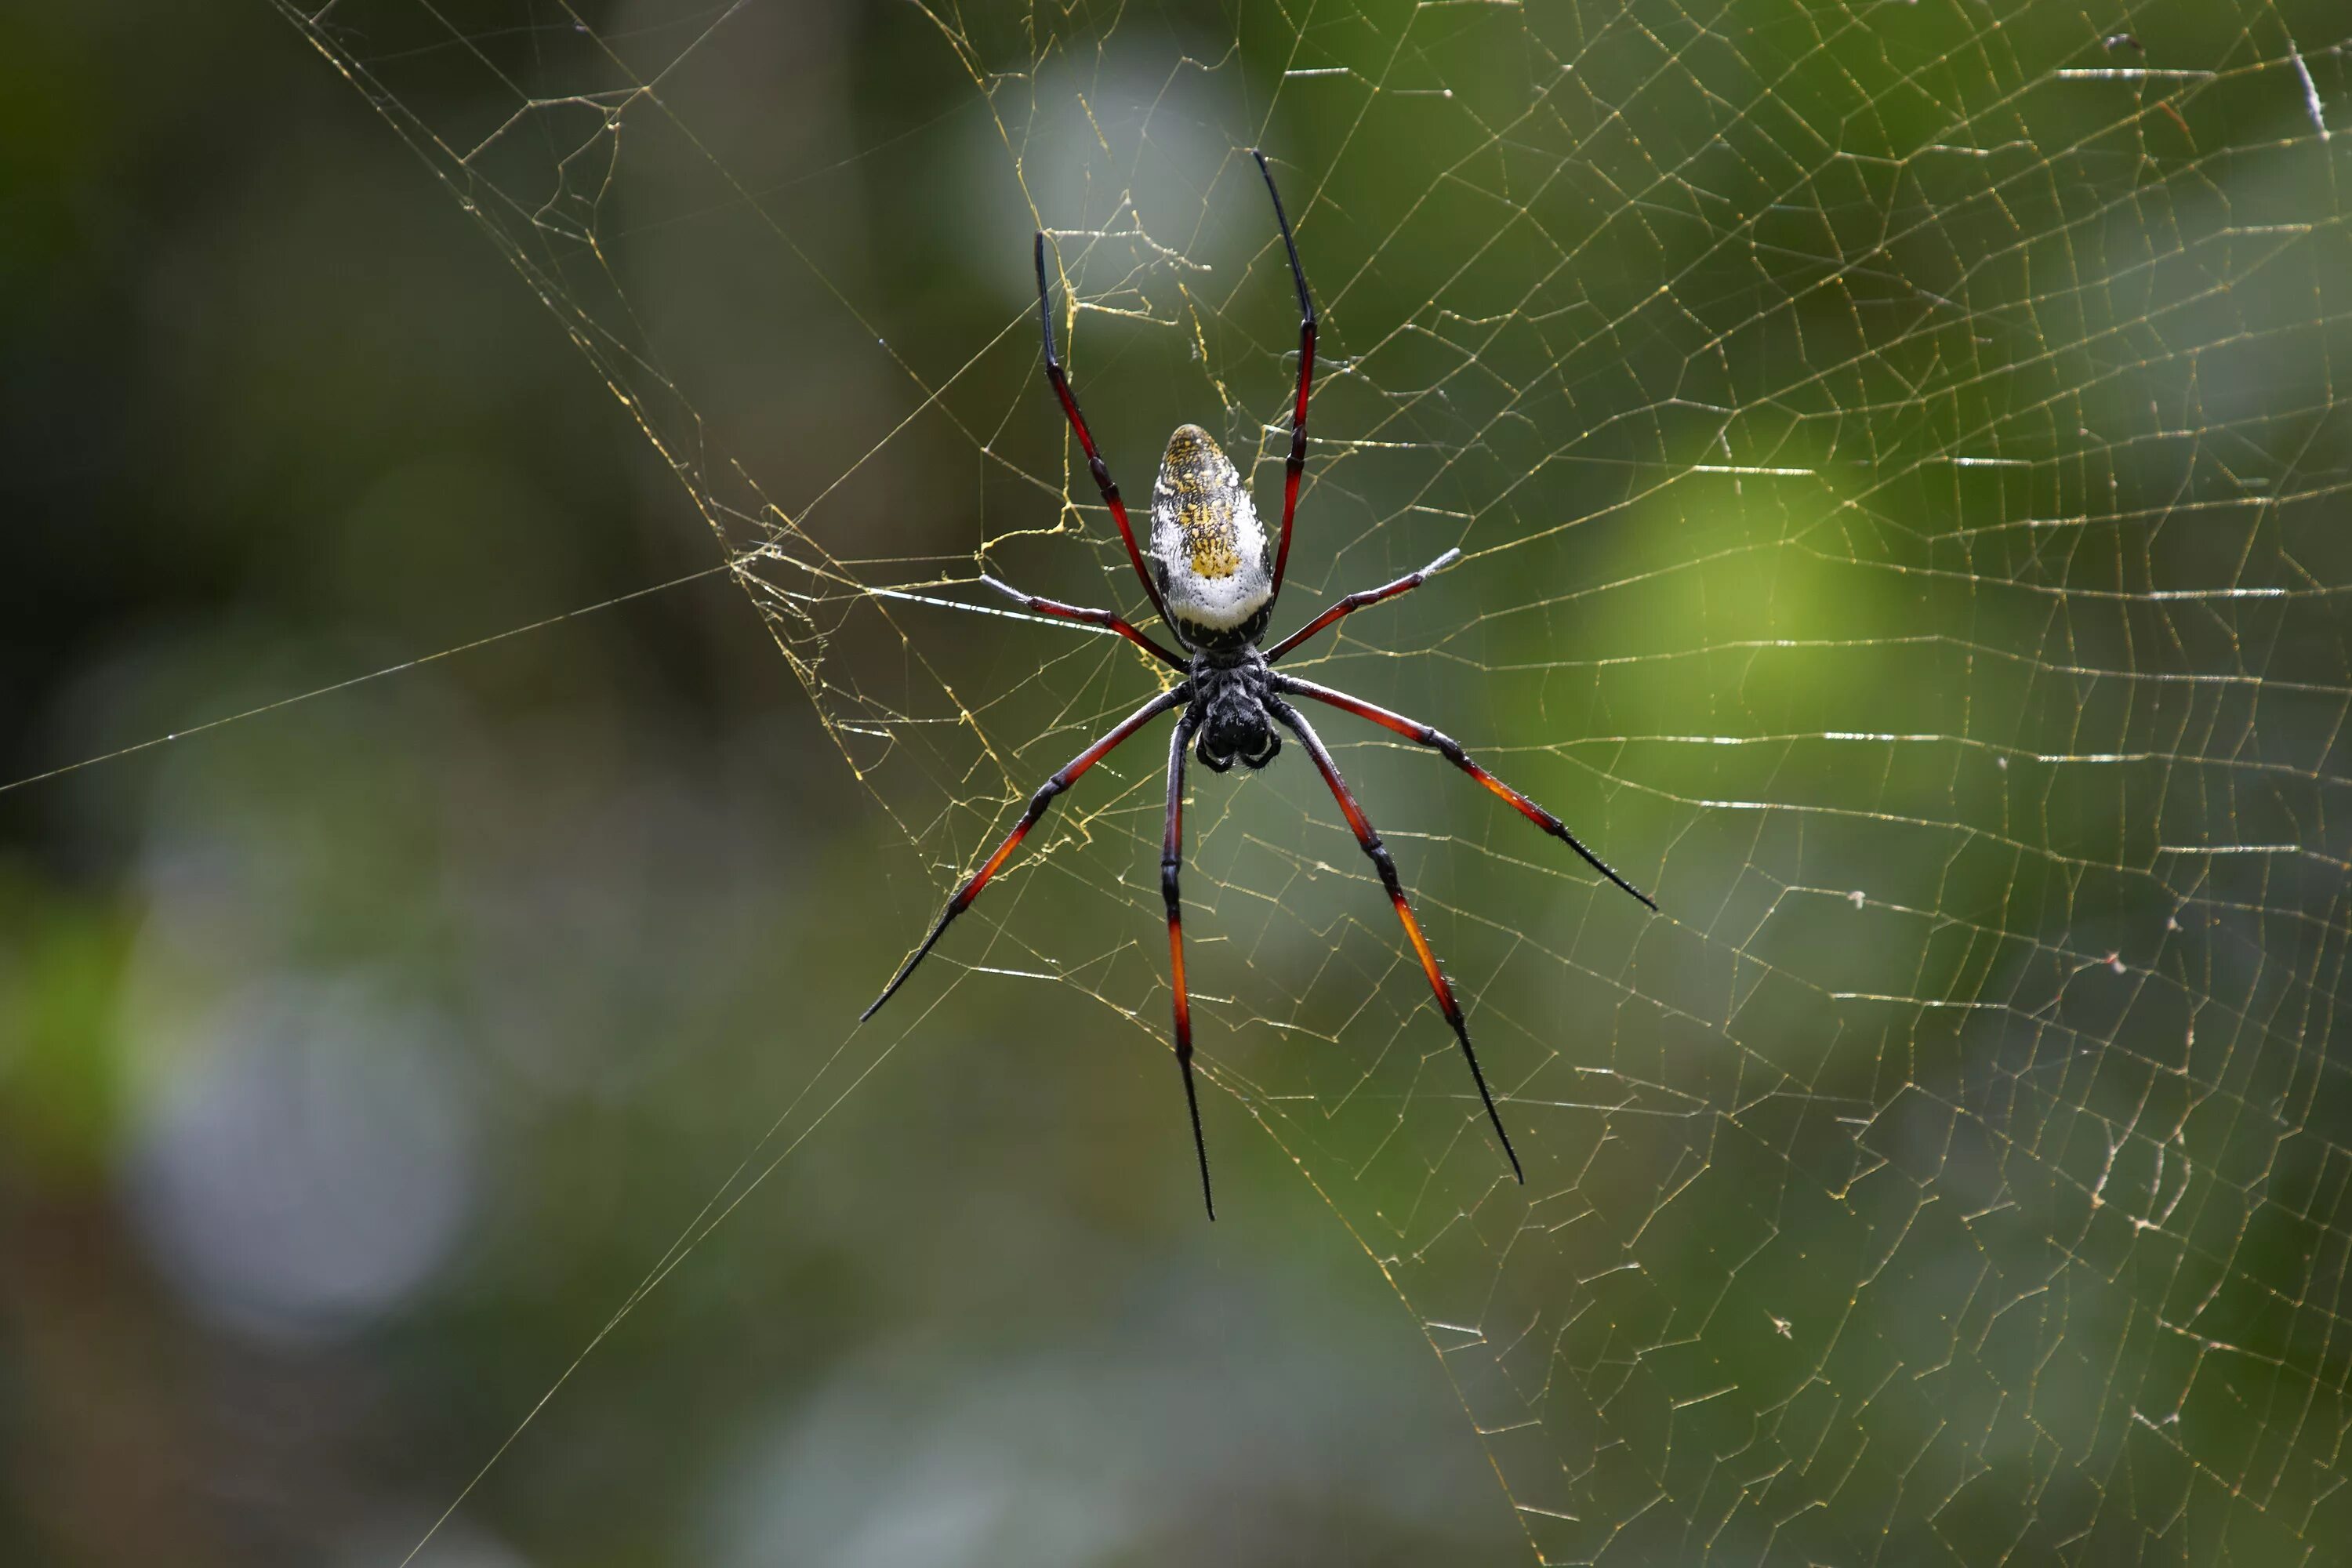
<point x="1213" y="576"/>
<point x="1237" y="725"/>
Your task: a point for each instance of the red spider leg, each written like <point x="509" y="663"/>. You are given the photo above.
<point x="1101" y="471"/>
<point x="1092" y="618"/>
<point x="1037" y="804"/>
<point x="1377" y="853"/>
<point x="1172" y="866"/>
<point x="1357" y="601"/>
<point x="1423" y="735"/>
<point x="1297" y="460"/>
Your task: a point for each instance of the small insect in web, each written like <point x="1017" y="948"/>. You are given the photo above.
<point x="1213" y="576"/>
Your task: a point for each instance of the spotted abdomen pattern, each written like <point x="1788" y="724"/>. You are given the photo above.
<point x="1209" y="551"/>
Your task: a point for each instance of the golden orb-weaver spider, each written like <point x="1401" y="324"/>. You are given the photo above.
<point x="1213" y="576"/>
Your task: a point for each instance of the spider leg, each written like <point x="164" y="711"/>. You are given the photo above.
<point x="1296" y="462"/>
<point x="1422" y="734"/>
<point x="1092" y="618"/>
<point x="1357" y="601"/>
<point x="965" y="895"/>
<point x="1101" y="471"/>
<point x="1377" y="852"/>
<point x="1172" y="866"/>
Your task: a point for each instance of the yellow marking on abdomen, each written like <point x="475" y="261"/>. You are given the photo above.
<point x="1208" y="531"/>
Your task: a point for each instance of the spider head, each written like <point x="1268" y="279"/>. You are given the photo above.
<point x="1209" y="553"/>
<point x="1251" y="745"/>
<point x="1234" y="724"/>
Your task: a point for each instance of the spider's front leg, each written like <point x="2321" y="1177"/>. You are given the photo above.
<point x="1377" y="854"/>
<point x="1068" y="776"/>
<point x="1172" y="869"/>
<point x="1437" y="740"/>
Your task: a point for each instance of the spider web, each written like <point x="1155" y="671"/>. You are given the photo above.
<point x="1897" y="458"/>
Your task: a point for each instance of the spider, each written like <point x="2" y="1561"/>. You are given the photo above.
<point x="1213" y="576"/>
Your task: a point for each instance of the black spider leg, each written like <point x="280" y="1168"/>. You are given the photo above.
<point x="1377" y="853"/>
<point x="1421" y="735"/>
<point x="1172" y="866"/>
<point x="1095" y="464"/>
<point x="1296" y="462"/>
<point x="1053" y="786"/>
<point x="1104" y="619"/>
<point x="1363" y="599"/>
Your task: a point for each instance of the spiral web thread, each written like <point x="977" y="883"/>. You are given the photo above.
<point x="1902" y="483"/>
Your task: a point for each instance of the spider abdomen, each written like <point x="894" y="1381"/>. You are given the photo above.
<point x="1209" y="552"/>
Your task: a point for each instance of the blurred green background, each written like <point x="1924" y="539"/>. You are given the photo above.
<point x="1902" y="483"/>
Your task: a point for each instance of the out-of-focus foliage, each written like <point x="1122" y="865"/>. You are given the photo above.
<point x="1902" y="477"/>
<point x="357" y="1061"/>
